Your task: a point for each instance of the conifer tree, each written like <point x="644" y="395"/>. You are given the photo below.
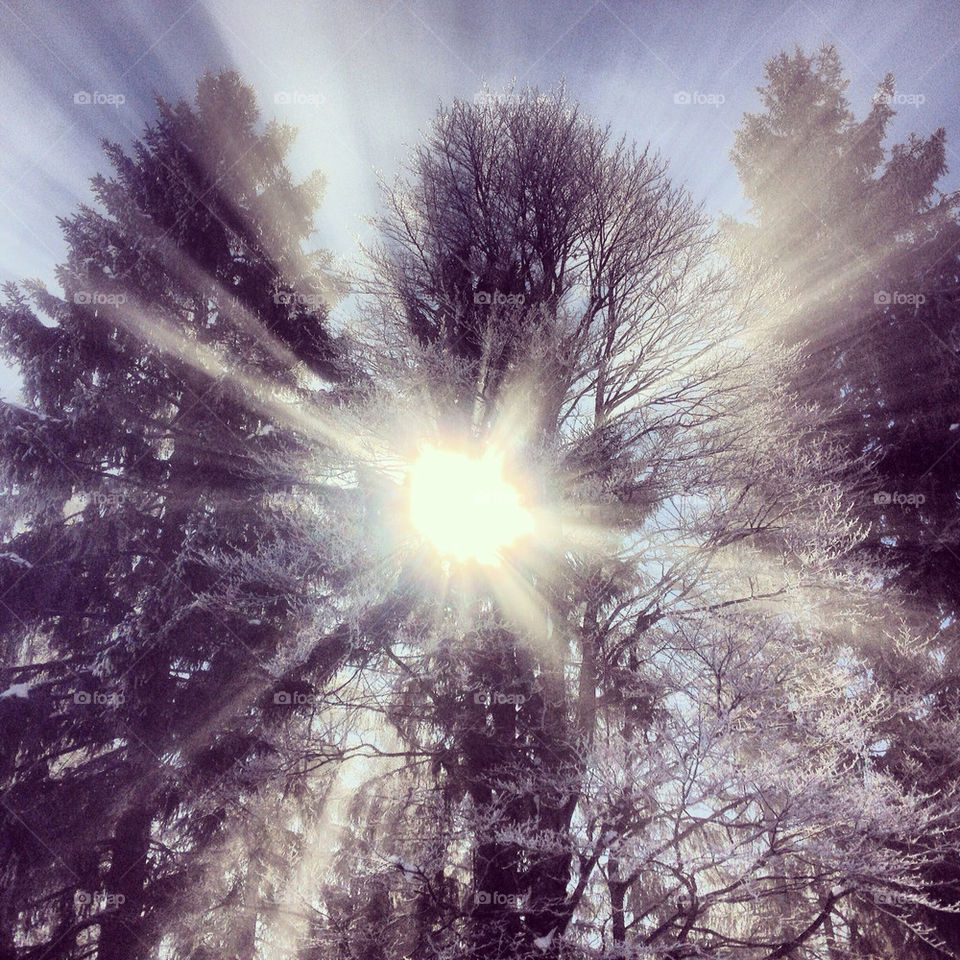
<point x="863" y="250"/>
<point x="154" y="559"/>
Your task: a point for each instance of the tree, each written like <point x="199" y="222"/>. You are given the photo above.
<point x="643" y="733"/>
<point x="863" y="247"/>
<point x="156" y="571"/>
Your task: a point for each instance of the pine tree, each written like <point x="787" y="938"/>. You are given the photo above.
<point x="154" y="554"/>
<point x="864" y="251"/>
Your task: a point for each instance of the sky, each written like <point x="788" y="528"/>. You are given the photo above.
<point x="361" y="80"/>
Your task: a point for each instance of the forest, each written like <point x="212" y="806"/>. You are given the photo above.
<point x="588" y="589"/>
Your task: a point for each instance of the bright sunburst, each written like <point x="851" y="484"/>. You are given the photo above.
<point x="464" y="506"/>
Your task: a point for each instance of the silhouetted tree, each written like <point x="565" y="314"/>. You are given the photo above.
<point x="645" y="732"/>
<point x="153" y="560"/>
<point x="862" y="249"/>
<point x="865" y="250"/>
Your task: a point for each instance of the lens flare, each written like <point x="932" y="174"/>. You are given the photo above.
<point x="463" y="505"/>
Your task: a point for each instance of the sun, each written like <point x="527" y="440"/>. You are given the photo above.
<point x="463" y="505"/>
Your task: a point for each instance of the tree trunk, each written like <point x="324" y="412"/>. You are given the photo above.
<point x="121" y="933"/>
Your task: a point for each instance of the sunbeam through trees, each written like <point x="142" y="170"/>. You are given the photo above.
<point x="573" y="574"/>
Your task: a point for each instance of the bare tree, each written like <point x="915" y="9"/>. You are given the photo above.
<point x="652" y="733"/>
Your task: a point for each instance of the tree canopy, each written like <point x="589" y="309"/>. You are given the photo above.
<point x="250" y="711"/>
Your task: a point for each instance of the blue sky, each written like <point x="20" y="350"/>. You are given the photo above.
<point x="365" y="76"/>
